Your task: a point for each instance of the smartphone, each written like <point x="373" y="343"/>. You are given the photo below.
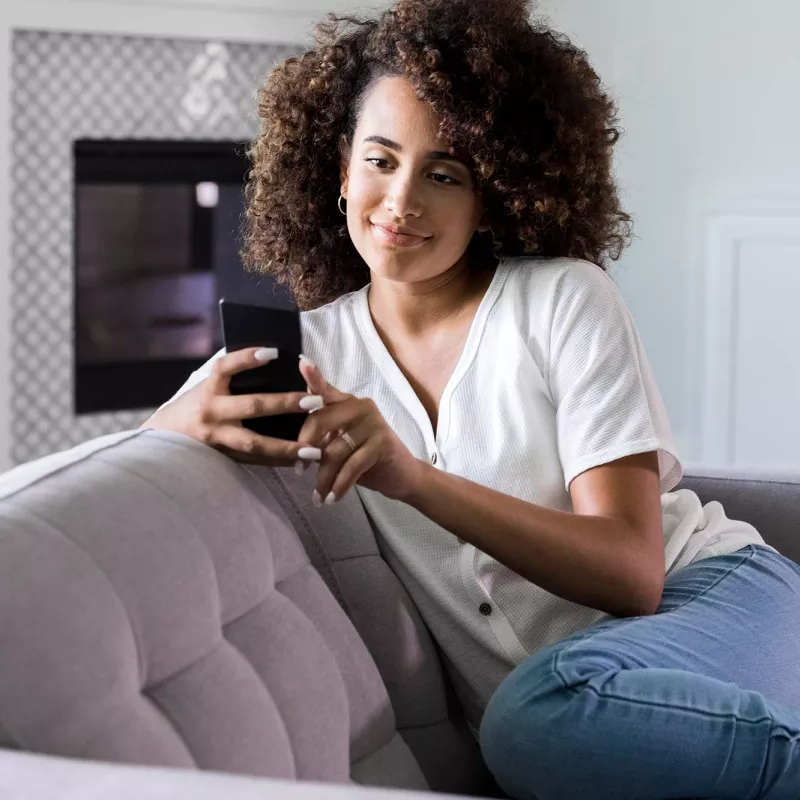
<point x="245" y="325"/>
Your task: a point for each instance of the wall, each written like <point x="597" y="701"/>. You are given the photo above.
<point x="708" y="95"/>
<point x="72" y="86"/>
<point x="706" y="89"/>
<point x="227" y="20"/>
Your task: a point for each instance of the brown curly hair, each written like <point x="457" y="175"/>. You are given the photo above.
<point x="519" y="99"/>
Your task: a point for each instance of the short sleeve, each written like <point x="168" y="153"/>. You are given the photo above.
<point x="607" y="402"/>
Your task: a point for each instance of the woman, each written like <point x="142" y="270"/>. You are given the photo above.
<point x="483" y="385"/>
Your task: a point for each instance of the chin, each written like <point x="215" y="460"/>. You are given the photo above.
<point x="391" y="271"/>
<point x="403" y="269"/>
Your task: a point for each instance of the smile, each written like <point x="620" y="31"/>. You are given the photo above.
<point x="398" y="239"/>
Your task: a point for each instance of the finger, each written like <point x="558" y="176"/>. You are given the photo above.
<point x="225" y="367"/>
<point x="333" y="459"/>
<point x="301" y="466"/>
<point x="341" y="416"/>
<point x="249" y="446"/>
<point x="227" y="407"/>
<point x="360" y="462"/>
<point x="336" y="456"/>
<point x="317" y="383"/>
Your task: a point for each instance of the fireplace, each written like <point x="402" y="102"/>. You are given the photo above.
<point x="72" y="378"/>
<point x="157" y="241"/>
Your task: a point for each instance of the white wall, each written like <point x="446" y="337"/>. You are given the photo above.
<point x="709" y="93"/>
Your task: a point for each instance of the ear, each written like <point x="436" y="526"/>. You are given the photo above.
<point x="483" y="223"/>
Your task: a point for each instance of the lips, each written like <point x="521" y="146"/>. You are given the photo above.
<point x="397" y="235"/>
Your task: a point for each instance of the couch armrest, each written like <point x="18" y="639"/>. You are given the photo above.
<point x="29" y="776"/>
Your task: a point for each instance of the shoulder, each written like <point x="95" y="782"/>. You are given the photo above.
<point x="538" y="292"/>
<point x="563" y="290"/>
<point x="548" y="279"/>
<point x="332" y="318"/>
<point x="331" y="334"/>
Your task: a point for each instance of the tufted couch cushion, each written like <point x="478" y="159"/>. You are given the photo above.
<point x="345" y="551"/>
<point x="156" y="607"/>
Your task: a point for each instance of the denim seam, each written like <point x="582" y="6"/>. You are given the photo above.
<point x="773" y="731"/>
<point x="556" y="658"/>
<point x="750" y="553"/>
<point x="669" y="706"/>
<point x="776" y="730"/>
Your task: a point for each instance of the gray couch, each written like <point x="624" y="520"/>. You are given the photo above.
<point x="164" y="610"/>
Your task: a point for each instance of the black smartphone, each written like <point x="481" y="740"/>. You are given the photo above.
<point x="245" y="325"/>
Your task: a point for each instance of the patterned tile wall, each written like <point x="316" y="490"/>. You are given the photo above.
<point x="71" y="86"/>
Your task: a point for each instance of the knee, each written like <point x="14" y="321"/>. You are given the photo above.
<point x="517" y="731"/>
<point x="537" y="724"/>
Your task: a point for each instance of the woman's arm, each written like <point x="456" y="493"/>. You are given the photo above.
<point x="608" y="555"/>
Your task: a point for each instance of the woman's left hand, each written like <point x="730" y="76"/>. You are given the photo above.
<point x="380" y="461"/>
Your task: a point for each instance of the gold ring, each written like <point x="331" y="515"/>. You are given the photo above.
<point x="349" y="440"/>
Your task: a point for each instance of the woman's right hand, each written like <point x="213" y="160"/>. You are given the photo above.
<point x="209" y="413"/>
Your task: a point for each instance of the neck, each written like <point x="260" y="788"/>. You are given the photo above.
<point x="413" y="309"/>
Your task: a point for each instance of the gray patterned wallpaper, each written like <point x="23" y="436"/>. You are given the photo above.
<point x="71" y="86"/>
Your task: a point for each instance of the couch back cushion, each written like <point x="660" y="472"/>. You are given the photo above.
<point x="156" y="607"/>
<point x="770" y="501"/>
<point x="343" y="547"/>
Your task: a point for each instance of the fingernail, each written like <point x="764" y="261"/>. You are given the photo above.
<point x="330" y="499"/>
<point x="309" y="453"/>
<point x="308" y="361"/>
<point x="298" y="468"/>
<point x="311" y="402"/>
<point x="316" y="499"/>
<point x="266" y="354"/>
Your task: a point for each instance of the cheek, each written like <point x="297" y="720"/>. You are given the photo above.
<point x="453" y="215"/>
<point x="363" y="192"/>
<point x="458" y="215"/>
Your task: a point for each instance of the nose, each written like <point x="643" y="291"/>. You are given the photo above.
<point x="403" y="197"/>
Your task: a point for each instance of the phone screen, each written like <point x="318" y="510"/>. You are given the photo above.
<point x="245" y="325"/>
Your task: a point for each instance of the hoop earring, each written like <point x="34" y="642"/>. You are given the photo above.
<point x="339" y="204"/>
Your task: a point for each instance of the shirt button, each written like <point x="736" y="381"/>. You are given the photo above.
<point x="485" y="609"/>
<point x="434" y="458"/>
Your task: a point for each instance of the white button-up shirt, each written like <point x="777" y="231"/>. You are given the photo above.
<point x="552" y="381"/>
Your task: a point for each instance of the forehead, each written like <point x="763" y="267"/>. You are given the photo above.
<point x="391" y="109"/>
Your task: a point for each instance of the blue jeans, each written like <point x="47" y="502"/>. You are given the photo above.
<point x="699" y="700"/>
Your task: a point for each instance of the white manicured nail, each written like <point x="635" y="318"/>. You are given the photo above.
<point x="312" y="402"/>
<point x="330" y="499"/>
<point x="266" y="354"/>
<point x="316" y="499"/>
<point x="298" y="468"/>
<point x="308" y="361"/>
<point x="309" y="453"/>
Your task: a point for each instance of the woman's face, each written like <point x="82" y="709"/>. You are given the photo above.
<point x="411" y="208"/>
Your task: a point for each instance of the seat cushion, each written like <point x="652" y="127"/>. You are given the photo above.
<point x="156" y="607"/>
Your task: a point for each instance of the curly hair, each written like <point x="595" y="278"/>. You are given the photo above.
<point x="519" y="99"/>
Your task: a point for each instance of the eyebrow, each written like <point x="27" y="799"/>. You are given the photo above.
<point x="437" y="155"/>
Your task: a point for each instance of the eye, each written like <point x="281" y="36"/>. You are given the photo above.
<point x="447" y="180"/>
<point x="438" y="177"/>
